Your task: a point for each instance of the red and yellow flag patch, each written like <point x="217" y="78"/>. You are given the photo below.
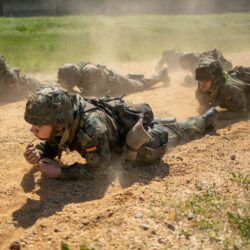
<point x="91" y="149"/>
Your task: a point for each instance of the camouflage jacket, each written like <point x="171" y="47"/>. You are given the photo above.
<point x="8" y="76"/>
<point x="228" y="93"/>
<point x="13" y="82"/>
<point x="241" y="73"/>
<point x="94" y="135"/>
<point x="194" y="58"/>
<point x="217" y="55"/>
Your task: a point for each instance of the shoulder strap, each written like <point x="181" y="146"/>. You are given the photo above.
<point x="89" y="107"/>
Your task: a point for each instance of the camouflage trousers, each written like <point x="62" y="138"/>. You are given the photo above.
<point x="165" y="137"/>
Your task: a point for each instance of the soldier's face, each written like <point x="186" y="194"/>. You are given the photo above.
<point x="42" y="132"/>
<point x="205" y="85"/>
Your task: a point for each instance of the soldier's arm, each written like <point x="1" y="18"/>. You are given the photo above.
<point x="227" y="115"/>
<point x="236" y="100"/>
<point x="95" y="148"/>
<point x="203" y="101"/>
<point x="161" y="62"/>
<point x="236" y="104"/>
<point x="97" y="153"/>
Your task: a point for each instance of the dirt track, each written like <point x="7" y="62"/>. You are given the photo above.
<point x="119" y="208"/>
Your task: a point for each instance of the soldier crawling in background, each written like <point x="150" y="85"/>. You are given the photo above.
<point x="176" y="59"/>
<point x="217" y="88"/>
<point x="13" y="83"/>
<point x="189" y="61"/>
<point x="171" y="58"/>
<point x="240" y="72"/>
<point x="95" y="79"/>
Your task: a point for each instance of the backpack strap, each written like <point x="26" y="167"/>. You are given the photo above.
<point x="89" y="107"/>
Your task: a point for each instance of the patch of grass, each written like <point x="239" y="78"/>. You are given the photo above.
<point x="43" y="43"/>
<point x="223" y="218"/>
<point x="241" y="179"/>
<point x="202" y="207"/>
<point x="65" y="246"/>
<point x="241" y="222"/>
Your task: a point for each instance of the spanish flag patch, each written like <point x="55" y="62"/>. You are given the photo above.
<point x="91" y="149"/>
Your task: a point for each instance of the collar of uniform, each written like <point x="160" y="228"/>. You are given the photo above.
<point x="69" y="132"/>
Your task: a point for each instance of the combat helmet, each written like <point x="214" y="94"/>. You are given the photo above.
<point x="68" y="75"/>
<point x="209" y="69"/>
<point x="49" y="106"/>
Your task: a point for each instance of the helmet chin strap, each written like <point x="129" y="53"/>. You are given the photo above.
<point x="56" y="132"/>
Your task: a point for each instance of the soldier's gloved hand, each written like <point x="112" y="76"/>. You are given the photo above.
<point x="50" y="168"/>
<point x="31" y="155"/>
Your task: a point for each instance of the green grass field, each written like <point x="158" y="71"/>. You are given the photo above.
<point x="43" y="43"/>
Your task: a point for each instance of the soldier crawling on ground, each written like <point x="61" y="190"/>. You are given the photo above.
<point x="240" y="72"/>
<point x="104" y="131"/>
<point x="171" y="59"/>
<point x="189" y="61"/>
<point x="95" y="79"/>
<point x="13" y="83"/>
<point x="218" y="88"/>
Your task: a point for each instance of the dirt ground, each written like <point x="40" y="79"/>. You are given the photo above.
<point x="123" y="208"/>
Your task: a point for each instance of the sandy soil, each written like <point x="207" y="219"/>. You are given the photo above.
<point x="117" y="208"/>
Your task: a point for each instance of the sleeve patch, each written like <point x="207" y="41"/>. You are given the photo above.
<point x="91" y="149"/>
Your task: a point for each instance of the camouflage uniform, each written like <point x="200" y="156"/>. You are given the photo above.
<point x="176" y="59"/>
<point x="227" y="92"/>
<point x="190" y="61"/>
<point x="241" y="73"/>
<point x="97" y="79"/>
<point x="8" y="77"/>
<point x="95" y="135"/>
<point x="170" y="57"/>
<point x="11" y="82"/>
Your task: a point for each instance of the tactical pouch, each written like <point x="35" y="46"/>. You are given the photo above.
<point x="125" y="114"/>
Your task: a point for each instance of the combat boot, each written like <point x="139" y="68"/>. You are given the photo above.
<point x="210" y="118"/>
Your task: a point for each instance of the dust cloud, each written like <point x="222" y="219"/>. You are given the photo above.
<point x="144" y="7"/>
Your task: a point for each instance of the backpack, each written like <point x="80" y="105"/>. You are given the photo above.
<point x="125" y="114"/>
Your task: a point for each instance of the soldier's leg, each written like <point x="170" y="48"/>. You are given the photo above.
<point x="183" y="132"/>
<point x="167" y="136"/>
<point x="149" y="82"/>
<point x="156" y="147"/>
<point x="192" y="128"/>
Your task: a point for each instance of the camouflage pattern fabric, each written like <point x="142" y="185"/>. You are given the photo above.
<point x="217" y="55"/>
<point x="14" y="83"/>
<point x="8" y="77"/>
<point x="228" y="93"/>
<point x="240" y="72"/>
<point x="94" y="79"/>
<point x="191" y="60"/>
<point x="209" y="69"/>
<point x="96" y="138"/>
<point x="170" y="57"/>
<point x="49" y="105"/>
<point x="165" y="137"/>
